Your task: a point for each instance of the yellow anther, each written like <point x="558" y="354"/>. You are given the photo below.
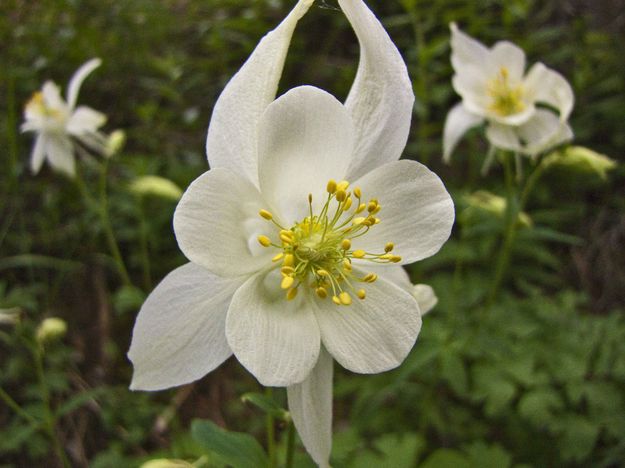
<point x="336" y="300"/>
<point x="504" y="73"/>
<point x="323" y="273"/>
<point x="287" y="282"/>
<point x="346" y="244"/>
<point x="331" y="187"/>
<point x="345" y="298"/>
<point x="377" y="209"/>
<point x="341" y="195"/>
<point x="287" y="270"/>
<point x="289" y="260"/>
<point x="342" y="185"/>
<point x="266" y="214"/>
<point x="357" y="193"/>
<point x="359" y="253"/>
<point x="386" y="256"/>
<point x="361" y="208"/>
<point x="290" y="295"/>
<point x="361" y="294"/>
<point x="264" y="241"/>
<point x="358" y="221"/>
<point x="278" y="257"/>
<point x="396" y="259"/>
<point x="377" y="221"/>
<point x="370" y="278"/>
<point x="347" y="265"/>
<point x="285" y="232"/>
<point x="348" y="204"/>
<point x="310" y="198"/>
<point x="321" y="292"/>
<point x="371" y="206"/>
<point x="388" y="247"/>
<point x="286" y="239"/>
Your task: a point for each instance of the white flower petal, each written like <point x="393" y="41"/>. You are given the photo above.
<point x="38" y="153"/>
<point x="275" y="339"/>
<point x="425" y="296"/>
<point x="216" y="224"/>
<point x="381" y="97"/>
<point x="77" y="79"/>
<point x="395" y="274"/>
<point x="549" y="87"/>
<point x="466" y="51"/>
<point x="310" y="405"/>
<point x="371" y="335"/>
<point x="306" y="139"/>
<point x="471" y="84"/>
<point x="233" y="131"/>
<point x="84" y="119"/>
<point x="52" y="97"/>
<point x="458" y="122"/>
<point x="503" y="137"/>
<point x="544" y="131"/>
<point x="417" y="212"/>
<point x="179" y="335"/>
<point x="61" y="154"/>
<point x="508" y="55"/>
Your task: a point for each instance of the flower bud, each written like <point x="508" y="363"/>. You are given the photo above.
<point x="155" y="186"/>
<point x="582" y="159"/>
<point x="166" y="463"/>
<point x="115" y="142"/>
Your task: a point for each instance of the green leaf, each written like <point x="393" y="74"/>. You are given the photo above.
<point x="266" y="404"/>
<point x="446" y="458"/>
<point x="486" y="456"/>
<point x="76" y="401"/>
<point x="539" y="405"/>
<point x="579" y="438"/>
<point x="453" y="370"/>
<point x="234" y="448"/>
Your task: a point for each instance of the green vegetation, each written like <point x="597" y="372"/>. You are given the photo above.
<point x="533" y="376"/>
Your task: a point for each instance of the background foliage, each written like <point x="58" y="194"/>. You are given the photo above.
<point x="536" y="380"/>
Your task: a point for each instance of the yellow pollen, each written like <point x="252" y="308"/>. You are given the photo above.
<point x="506" y="98"/>
<point x="331" y="187"/>
<point x="291" y="293"/>
<point x="266" y="214"/>
<point x="359" y="253"/>
<point x="316" y="251"/>
<point x="264" y="241"/>
<point x="396" y="259"/>
<point x="345" y="298"/>
<point x="287" y="282"/>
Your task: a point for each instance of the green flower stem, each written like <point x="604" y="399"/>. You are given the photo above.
<point x="11" y="403"/>
<point x="290" y="445"/>
<point x="50" y="422"/>
<point x="101" y="207"/>
<point x="271" y="433"/>
<point x="510" y="229"/>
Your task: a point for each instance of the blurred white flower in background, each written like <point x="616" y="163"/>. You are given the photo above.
<point x="525" y="112"/>
<point x="291" y="266"/>
<point x="57" y="123"/>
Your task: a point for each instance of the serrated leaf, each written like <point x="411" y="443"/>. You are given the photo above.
<point x="234" y="448"/>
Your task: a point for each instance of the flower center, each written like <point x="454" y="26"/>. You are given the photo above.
<point x="37" y="105"/>
<point x="317" y="251"/>
<point x="505" y="98"/>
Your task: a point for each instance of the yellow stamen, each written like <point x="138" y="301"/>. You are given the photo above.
<point x="323" y="273"/>
<point x="358" y="221"/>
<point x="336" y="300"/>
<point x="290" y="295"/>
<point x="361" y="208"/>
<point x="348" y="204"/>
<point x="342" y="185"/>
<point x="346" y="244"/>
<point x="331" y="187"/>
<point x="264" y="241"/>
<point x="287" y="282"/>
<point x="357" y="193"/>
<point x="289" y="260"/>
<point x="266" y="214"/>
<point x="388" y="247"/>
<point x="361" y="294"/>
<point x="359" y="253"/>
<point x="345" y="298"/>
<point x="277" y="257"/>
<point x="321" y="292"/>
<point x="341" y="195"/>
<point x="287" y="270"/>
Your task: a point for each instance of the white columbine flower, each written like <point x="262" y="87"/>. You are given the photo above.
<point x="56" y="122"/>
<point x="292" y="266"/>
<point x="519" y="107"/>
